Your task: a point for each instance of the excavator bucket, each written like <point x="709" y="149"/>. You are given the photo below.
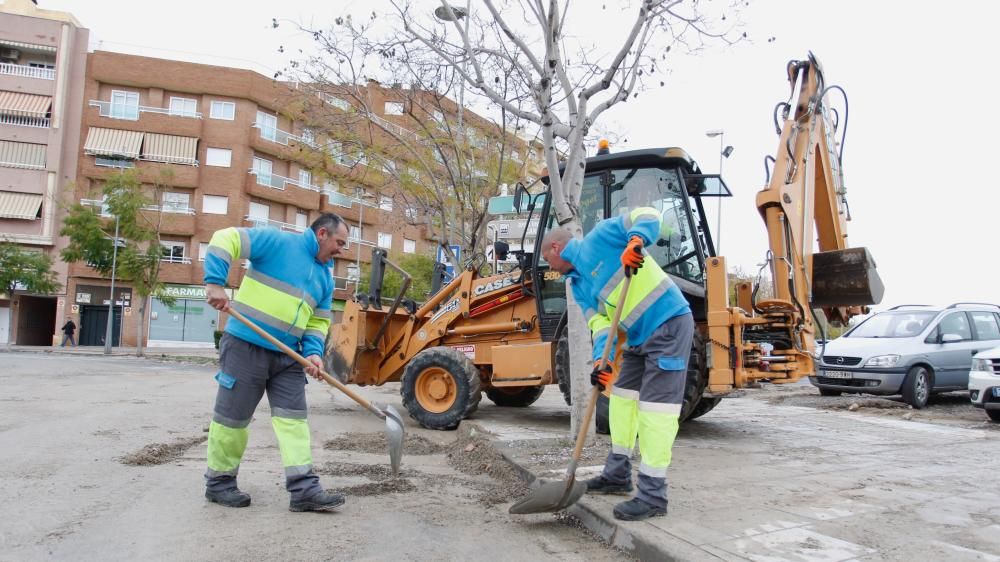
<point x="845" y="278"/>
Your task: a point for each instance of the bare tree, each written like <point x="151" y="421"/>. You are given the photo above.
<point x="554" y="79"/>
<point x="404" y="134"/>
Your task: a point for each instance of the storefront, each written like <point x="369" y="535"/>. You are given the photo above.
<point x="188" y="322"/>
<point x="92" y="303"/>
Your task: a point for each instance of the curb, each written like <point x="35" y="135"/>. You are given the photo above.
<point x="655" y="544"/>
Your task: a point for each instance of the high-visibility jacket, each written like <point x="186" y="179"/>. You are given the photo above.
<point x="285" y="291"/>
<point x="597" y="278"/>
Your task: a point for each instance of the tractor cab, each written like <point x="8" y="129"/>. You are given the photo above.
<point x="665" y="179"/>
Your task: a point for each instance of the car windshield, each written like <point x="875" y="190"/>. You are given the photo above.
<point x="893" y="325"/>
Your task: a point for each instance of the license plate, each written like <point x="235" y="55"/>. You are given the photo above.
<point x="996" y="391"/>
<point x="837" y="374"/>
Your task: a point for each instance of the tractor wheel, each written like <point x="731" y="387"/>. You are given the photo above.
<point x="697" y="379"/>
<point x="440" y="388"/>
<point x="566" y="386"/>
<point x="514" y="397"/>
<point x="562" y="368"/>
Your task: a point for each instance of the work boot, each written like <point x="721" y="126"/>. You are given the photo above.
<point x="232" y="497"/>
<point x="601" y="485"/>
<point x="637" y="510"/>
<point x="320" y="501"/>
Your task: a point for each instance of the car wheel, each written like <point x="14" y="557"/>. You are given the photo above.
<point x="994" y="415"/>
<point x="829" y="392"/>
<point x="917" y="386"/>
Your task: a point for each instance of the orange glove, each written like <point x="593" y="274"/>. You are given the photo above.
<point x="632" y="256"/>
<point x="602" y="377"/>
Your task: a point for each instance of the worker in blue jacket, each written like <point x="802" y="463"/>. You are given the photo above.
<point x="647" y="396"/>
<point x="287" y="291"/>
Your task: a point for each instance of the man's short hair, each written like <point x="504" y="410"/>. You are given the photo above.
<point x="329" y="221"/>
<point x="560" y="234"/>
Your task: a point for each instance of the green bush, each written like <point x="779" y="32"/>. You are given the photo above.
<point x="218" y="336"/>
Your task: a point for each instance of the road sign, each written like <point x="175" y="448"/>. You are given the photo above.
<point x="442" y="258"/>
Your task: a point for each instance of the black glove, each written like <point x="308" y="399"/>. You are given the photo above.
<point x="601" y="376"/>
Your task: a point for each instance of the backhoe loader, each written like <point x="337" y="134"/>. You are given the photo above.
<point x="505" y="335"/>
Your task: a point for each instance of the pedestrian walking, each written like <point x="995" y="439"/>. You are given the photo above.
<point x="69" y="331"/>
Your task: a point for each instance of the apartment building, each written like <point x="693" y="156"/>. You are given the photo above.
<point x="241" y="154"/>
<point x="42" y="61"/>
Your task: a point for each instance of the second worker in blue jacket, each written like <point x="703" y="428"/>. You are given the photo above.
<point x="647" y="396"/>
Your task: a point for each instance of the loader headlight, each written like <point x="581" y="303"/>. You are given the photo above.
<point x="882" y="361"/>
<point x="982" y="365"/>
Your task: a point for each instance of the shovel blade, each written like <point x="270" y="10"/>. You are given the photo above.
<point x="549" y="498"/>
<point x="394" y="434"/>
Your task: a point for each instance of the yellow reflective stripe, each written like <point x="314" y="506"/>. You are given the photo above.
<point x="640" y="212"/>
<point x="661" y="407"/>
<point x="655" y="472"/>
<point x="229" y="241"/>
<point x="225" y="447"/>
<point x="631" y="314"/>
<point x="648" y="285"/>
<point x="278" y="284"/>
<point x="623" y="418"/>
<point x="657" y="431"/>
<point x="598" y="323"/>
<point x="272" y="302"/>
<point x="625" y="393"/>
<point x="293" y="441"/>
<point x="267" y="319"/>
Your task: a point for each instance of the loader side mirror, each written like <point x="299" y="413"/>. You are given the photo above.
<point x="501" y="249"/>
<point x="519" y="193"/>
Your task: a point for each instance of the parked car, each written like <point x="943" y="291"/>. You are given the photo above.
<point x="912" y="350"/>
<point x="984" y="382"/>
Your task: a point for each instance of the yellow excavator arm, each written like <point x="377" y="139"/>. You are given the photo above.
<point x="804" y="199"/>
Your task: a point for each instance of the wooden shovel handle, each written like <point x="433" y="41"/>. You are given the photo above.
<point x="612" y="336"/>
<point x="305" y="362"/>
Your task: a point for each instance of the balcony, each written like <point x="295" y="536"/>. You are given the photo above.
<point x="132" y="112"/>
<point x="184" y="260"/>
<point x="37" y="120"/>
<point x="262" y="222"/>
<point x="150" y="119"/>
<point x="149" y="171"/>
<point x="25" y="71"/>
<point x="274" y="188"/>
<point x="283" y="137"/>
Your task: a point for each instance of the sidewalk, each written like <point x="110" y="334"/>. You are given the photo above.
<point x="148" y="352"/>
<point x="752" y="481"/>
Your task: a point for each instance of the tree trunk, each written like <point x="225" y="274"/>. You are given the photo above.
<point x="141" y="326"/>
<point x="579" y="365"/>
<point x="579" y="353"/>
<point x="10" y="320"/>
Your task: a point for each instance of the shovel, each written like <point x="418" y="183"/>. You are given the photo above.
<point x="556" y="496"/>
<point x="394" y="431"/>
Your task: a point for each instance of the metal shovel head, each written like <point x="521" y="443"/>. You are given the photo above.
<point x="550" y="497"/>
<point x="394" y="434"/>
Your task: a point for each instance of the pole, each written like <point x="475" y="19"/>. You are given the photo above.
<point x="718" y="218"/>
<point x="111" y="302"/>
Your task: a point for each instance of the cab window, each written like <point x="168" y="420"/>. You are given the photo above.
<point x="660" y="189"/>
<point x="956" y="323"/>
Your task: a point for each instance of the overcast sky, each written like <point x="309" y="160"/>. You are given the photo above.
<point x="919" y="82"/>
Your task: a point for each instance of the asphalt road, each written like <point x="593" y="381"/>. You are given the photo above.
<point x="67" y="424"/>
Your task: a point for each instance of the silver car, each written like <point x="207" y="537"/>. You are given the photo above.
<point x="912" y="350"/>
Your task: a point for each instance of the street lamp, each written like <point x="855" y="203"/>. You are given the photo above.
<point x="723" y="153"/>
<point x="445" y="14"/>
<point x="111" y="301"/>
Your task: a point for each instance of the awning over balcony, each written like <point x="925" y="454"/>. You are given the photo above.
<point x="22" y="155"/>
<point x="170" y="148"/>
<point x="26" y="105"/>
<point x="113" y="142"/>
<point x="15" y="205"/>
<point x="27" y="46"/>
